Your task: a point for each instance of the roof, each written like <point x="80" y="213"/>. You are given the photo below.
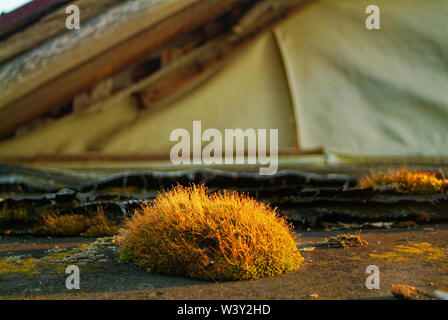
<point x="53" y="69"/>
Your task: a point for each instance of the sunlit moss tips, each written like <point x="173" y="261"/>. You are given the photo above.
<point x="220" y="236"/>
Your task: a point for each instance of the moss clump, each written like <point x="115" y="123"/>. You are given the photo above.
<point x="19" y="214"/>
<point x="54" y="224"/>
<point x="408" y="181"/>
<point x="221" y="236"/>
<point x="97" y="225"/>
<point x="100" y="226"/>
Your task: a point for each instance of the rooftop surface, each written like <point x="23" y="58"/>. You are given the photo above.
<point x="417" y="257"/>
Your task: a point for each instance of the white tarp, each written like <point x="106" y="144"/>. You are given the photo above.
<point x="369" y="92"/>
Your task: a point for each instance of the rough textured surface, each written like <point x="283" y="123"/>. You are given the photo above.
<point x="405" y="292"/>
<point x="334" y="273"/>
<point x="49" y="26"/>
<point x="28" y="65"/>
<point x="256" y="91"/>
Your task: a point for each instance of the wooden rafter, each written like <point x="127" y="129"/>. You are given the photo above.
<point x="170" y="79"/>
<point x="48" y="26"/>
<point x="62" y="88"/>
<point x="135" y="157"/>
<point x="26" y="15"/>
<point x="259" y="18"/>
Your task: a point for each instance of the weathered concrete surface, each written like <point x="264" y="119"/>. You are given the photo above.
<point x="417" y="257"/>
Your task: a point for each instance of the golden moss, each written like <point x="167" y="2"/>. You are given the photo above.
<point x="31" y="266"/>
<point x="101" y="226"/>
<point x="97" y="225"/>
<point x="410" y="181"/>
<point x="24" y="214"/>
<point x="62" y="225"/>
<point x="55" y="262"/>
<point x="221" y="236"/>
<point x="19" y="213"/>
<point x="417" y="251"/>
<point x="15" y="265"/>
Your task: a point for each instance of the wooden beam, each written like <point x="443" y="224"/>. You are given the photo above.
<point x="27" y="14"/>
<point x="171" y="80"/>
<point x="259" y="18"/>
<point x="61" y="89"/>
<point x="57" y="56"/>
<point x="136" y="157"/>
<point x="48" y="26"/>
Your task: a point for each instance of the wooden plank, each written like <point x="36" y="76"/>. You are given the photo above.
<point x="254" y="14"/>
<point x="59" y="55"/>
<point x="26" y="15"/>
<point x="259" y="18"/>
<point x="208" y="50"/>
<point x="81" y="78"/>
<point x="179" y="77"/>
<point x="49" y="26"/>
<point x="135" y="157"/>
